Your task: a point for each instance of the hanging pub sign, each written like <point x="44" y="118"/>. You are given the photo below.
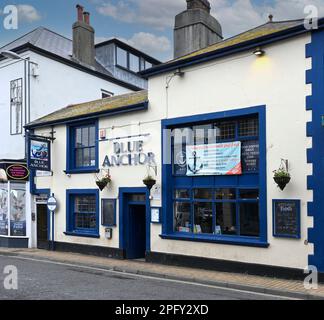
<point x="39" y="157"/>
<point x="214" y="159"/>
<point x="129" y="153"/>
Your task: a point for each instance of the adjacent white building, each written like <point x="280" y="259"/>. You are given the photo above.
<point x="43" y="71"/>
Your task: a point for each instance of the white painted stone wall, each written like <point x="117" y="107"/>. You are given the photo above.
<point x="57" y="86"/>
<point x="276" y="80"/>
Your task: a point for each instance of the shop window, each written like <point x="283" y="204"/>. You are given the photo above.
<point x="83" y="215"/>
<point x="4" y="209"/>
<point x="182" y="217"/>
<point x="249" y="219"/>
<point x="203" y="217"/>
<point x="248" y="127"/>
<point x="221" y="163"/>
<point x="181" y="194"/>
<point x="203" y="208"/>
<point x="82" y="148"/>
<point x="16" y="97"/>
<point x="18" y="209"/>
<point x="245" y="131"/>
<point x="203" y="194"/>
<point x="226" y="218"/>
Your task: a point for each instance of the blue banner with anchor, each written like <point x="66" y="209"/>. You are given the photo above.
<point x="214" y="159"/>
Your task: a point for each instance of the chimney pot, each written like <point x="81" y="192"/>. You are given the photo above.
<point x="86" y="16"/>
<point x="80" y="12"/>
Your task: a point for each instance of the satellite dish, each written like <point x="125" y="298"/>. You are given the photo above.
<point x="3" y="176"/>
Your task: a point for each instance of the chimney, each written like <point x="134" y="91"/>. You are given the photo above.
<point x="195" y="28"/>
<point x="83" y="38"/>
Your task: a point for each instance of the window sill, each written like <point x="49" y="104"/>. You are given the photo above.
<point x="80" y="171"/>
<point x="230" y="240"/>
<point x="84" y="235"/>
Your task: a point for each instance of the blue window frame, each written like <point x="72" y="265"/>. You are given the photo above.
<point x="82" y="147"/>
<point x="82" y="216"/>
<point x="221" y="209"/>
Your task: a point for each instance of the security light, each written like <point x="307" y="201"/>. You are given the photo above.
<point x="259" y="52"/>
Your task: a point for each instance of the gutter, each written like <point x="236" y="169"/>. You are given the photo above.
<point x="247" y="45"/>
<point x="132" y="108"/>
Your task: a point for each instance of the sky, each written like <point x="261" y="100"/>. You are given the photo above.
<point x="146" y="24"/>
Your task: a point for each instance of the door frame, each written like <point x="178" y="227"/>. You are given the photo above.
<point x="123" y="214"/>
<point x="45" y="192"/>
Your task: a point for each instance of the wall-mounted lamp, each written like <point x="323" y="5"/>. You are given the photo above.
<point x="259" y="52"/>
<point x="179" y="73"/>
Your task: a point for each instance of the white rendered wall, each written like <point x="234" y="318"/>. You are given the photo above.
<point x="276" y="80"/>
<point x="56" y="87"/>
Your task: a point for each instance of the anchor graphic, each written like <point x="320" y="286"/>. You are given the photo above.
<point x="194" y="170"/>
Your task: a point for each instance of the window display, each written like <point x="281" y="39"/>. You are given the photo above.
<point x="18" y="210"/>
<point x="3" y="209"/>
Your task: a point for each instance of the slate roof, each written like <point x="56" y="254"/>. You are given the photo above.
<point x="120" y="103"/>
<point x="268" y="28"/>
<point x="52" y="42"/>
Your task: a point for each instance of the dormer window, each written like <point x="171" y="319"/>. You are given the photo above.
<point x="134" y="63"/>
<point x="131" y="61"/>
<point x="122" y="58"/>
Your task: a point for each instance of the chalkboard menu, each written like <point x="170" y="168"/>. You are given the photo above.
<point x="108" y="212"/>
<point x="286" y="218"/>
<point x="250" y="156"/>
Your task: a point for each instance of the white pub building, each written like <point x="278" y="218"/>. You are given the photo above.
<point x="231" y="135"/>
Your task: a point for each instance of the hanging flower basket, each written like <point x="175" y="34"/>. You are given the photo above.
<point x="282" y="182"/>
<point x="149" y="182"/>
<point x="282" y="178"/>
<point x="103" y="182"/>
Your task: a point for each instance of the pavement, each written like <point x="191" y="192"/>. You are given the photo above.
<point x="212" y="285"/>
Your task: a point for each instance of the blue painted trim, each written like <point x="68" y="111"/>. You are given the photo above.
<point x="92" y="116"/>
<point x="298" y="206"/>
<point x="82" y="235"/>
<point x="315" y="76"/>
<point x="167" y="209"/>
<point x="223" y="52"/>
<point x="237" y="241"/>
<point x="115" y="213"/>
<point x="70" y="154"/>
<point x="123" y="204"/>
<point x="70" y="229"/>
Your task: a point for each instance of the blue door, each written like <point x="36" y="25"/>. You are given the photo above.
<point x="136" y="244"/>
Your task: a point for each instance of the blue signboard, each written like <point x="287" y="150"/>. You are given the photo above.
<point x="39" y="157"/>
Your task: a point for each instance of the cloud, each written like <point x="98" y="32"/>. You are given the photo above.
<point x="151" y="44"/>
<point x="28" y="13"/>
<point x="235" y="15"/>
